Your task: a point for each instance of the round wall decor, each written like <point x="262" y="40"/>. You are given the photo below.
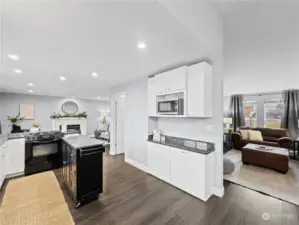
<point x="70" y="107"/>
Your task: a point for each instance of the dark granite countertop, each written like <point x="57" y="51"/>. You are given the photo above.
<point x="185" y="144"/>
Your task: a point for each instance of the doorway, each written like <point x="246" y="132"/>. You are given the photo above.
<point x="118" y="124"/>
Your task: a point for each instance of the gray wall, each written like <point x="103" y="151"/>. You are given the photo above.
<point x="46" y="105"/>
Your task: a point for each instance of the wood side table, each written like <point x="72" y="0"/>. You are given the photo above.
<point x="228" y="139"/>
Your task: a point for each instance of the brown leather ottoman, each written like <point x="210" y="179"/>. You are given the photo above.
<point x="276" y="158"/>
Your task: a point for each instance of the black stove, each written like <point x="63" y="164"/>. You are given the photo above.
<point x="44" y="136"/>
<point x="42" y="151"/>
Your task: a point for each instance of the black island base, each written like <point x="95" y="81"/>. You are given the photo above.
<point x="82" y="171"/>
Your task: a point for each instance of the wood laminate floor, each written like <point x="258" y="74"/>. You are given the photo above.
<point x="132" y="197"/>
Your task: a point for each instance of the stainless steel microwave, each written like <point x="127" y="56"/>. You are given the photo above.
<point x="171" y="107"/>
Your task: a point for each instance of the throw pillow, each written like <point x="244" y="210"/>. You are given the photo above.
<point x="255" y="135"/>
<point x="245" y="134"/>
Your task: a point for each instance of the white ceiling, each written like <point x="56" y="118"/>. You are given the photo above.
<point x="74" y="39"/>
<point x="261" y="46"/>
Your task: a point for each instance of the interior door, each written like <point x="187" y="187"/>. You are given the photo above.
<point x="120" y="125"/>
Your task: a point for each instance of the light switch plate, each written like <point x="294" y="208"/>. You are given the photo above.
<point x="209" y="127"/>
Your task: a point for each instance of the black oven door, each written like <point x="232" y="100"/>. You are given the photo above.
<point x="42" y="155"/>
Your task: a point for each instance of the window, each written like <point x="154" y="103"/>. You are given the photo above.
<point x="250" y="113"/>
<point x="273" y="112"/>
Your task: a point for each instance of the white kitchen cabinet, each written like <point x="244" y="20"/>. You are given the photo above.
<point x="159" y="161"/>
<point x="2" y="166"/>
<point x="151" y="97"/>
<point x="189" y="171"/>
<point x="177" y="172"/>
<point x="171" y="80"/>
<point x="199" y="90"/>
<point x="194" y="182"/>
<point x="14" y="157"/>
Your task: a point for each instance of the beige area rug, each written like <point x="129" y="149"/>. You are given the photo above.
<point x="267" y="181"/>
<point x="34" y="200"/>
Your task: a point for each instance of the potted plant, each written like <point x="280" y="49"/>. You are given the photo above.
<point x="230" y="130"/>
<point x="15" y="122"/>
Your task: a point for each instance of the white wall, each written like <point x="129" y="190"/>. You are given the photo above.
<point x="205" y="22"/>
<point x="261" y="47"/>
<point x="46" y="105"/>
<point x="136" y="119"/>
<point x="209" y="34"/>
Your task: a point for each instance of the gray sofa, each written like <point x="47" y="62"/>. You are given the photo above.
<point x="103" y="130"/>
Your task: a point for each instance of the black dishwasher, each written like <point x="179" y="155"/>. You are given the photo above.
<point x="82" y="172"/>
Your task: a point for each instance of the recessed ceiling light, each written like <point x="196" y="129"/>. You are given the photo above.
<point x="62" y="78"/>
<point x="141" y="45"/>
<point x="31" y="91"/>
<point x="30" y="84"/>
<point x="94" y="74"/>
<point x="17" y="71"/>
<point x="13" y="57"/>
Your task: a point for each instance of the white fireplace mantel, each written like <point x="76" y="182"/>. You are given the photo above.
<point x="70" y="121"/>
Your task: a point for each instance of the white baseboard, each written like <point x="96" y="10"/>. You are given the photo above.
<point x="15" y="175"/>
<point x="136" y="164"/>
<point x="112" y="153"/>
<point x="219" y="192"/>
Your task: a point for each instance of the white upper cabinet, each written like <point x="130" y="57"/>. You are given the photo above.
<point x="199" y="90"/>
<point x="151" y="97"/>
<point x="195" y="81"/>
<point x="171" y="80"/>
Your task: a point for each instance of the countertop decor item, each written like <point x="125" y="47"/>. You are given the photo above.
<point x="15" y="123"/>
<point x="15" y="120"/>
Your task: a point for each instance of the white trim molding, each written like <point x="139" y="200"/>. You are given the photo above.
<point x="138" y="165"/>
<point x="219" y="192"/>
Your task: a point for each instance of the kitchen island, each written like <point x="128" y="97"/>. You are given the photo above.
<point x="82" y="171"/>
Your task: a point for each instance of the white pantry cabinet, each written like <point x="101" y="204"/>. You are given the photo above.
<point x="151" y="97"/>
<point x="199" y="90"/>
<point x="189" y="171"/>
<point x="171" y="80"/>
<point x="14" y="157"/>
